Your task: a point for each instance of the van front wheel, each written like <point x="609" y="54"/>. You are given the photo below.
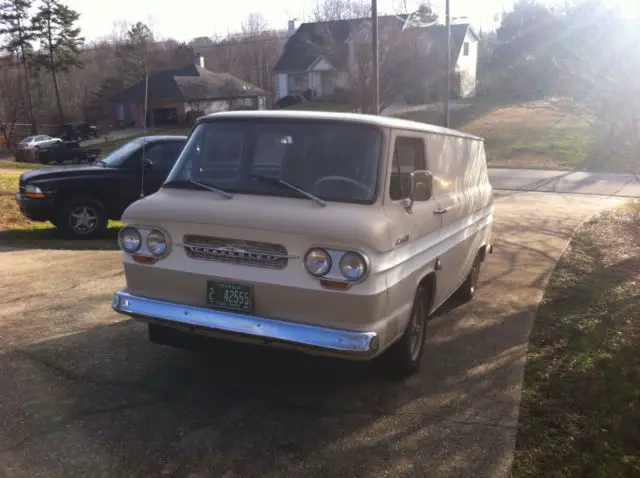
<point x="404" y="357"/>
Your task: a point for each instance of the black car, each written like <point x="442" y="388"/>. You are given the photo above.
<point x="68" y="150"/>
<point x="80" y="200"/>
<point x="79" y="131"/>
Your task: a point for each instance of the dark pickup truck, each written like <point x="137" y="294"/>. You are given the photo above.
<point x="68" y="150"/>
<point x="80" y="200"/>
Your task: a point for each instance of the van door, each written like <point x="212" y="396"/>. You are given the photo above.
<point x="457" y="199"/>
<point x="415" y="234"/>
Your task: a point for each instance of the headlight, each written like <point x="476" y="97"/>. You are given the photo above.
<point x="129" y="239"/>
<point x="30" y="188"/>
<point x="157" y="243"/>
<point x="33" y="191"/>
<point x="353" y="266"/>
<point x="317" y="262"/>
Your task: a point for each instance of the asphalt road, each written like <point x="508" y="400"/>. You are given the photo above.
<point x="84" y="394"/>
<point x="575" y="182"/>
<point x="113" y="135"/>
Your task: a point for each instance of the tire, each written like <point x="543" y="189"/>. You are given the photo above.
<point x="468" y="288"/>
<point x="404" y="357"/>
<point x="82" y="218"/>
<point x="76" y="160"/>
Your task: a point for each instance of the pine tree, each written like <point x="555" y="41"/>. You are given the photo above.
<point x="18" y="35"/>
<point x="60" y="41"/>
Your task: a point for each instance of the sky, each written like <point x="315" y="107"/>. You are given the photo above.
<point x="196" y="18"/>
<point x="210" y="17"/>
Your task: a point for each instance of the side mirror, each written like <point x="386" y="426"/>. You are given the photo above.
<point x="421" y="188"/>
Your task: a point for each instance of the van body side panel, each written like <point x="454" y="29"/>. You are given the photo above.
<point x="462" y="188"/>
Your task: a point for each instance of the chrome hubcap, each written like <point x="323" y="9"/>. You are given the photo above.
<point x="83" y="220"/>
<point x="416" y="327"/>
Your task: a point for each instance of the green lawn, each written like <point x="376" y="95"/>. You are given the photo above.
<point x="6" y="164"/>
<point x="580" y="412"/>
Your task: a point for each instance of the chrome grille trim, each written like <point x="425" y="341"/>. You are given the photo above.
<point x="240" y="252"/>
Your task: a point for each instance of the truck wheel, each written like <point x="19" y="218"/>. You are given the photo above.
<point x="76" y="160"/>
<point x="82" y="218"/>
<point x="468" y="289"/>
<point x="404" y="357"/>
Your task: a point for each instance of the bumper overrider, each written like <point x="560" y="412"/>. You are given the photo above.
<point x="201" y="320"/>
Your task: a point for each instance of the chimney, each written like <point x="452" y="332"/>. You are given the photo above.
<point x="199" y="60"/>
<point x="291" y="29"/>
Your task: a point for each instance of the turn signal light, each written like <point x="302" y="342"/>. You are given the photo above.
<point x="143" y="259"/>
<point x="334" y="284"/>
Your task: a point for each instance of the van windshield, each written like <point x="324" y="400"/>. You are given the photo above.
<point x="334" y="161"/>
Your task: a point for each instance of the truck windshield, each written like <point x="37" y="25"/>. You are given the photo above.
<point x="118" y="156"/>
<point x="331" y="160"/>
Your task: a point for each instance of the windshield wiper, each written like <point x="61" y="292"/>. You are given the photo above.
<point x="208" y="187"/>
<point x="282" y="182"/>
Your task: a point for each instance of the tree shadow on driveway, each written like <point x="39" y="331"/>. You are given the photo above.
<point x="89" y="399"/>
<point x="107" y="402"/>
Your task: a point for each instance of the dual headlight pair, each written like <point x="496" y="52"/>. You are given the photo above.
<point x="352" y="265"/>
<point x="131" y="241"/>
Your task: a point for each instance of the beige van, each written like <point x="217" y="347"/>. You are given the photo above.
<point x="334" y="234"/>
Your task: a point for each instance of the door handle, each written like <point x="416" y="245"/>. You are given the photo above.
<point x="440" y="211"/>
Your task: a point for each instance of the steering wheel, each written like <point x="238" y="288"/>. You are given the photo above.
<point x="343" y="179"/>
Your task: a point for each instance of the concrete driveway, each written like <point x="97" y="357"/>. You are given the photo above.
<point x="84" y="394"/>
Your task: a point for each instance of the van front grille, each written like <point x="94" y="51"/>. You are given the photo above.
<point x="236" y="251"/>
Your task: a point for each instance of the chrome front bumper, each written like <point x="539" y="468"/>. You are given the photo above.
<point x="199" y="319"/>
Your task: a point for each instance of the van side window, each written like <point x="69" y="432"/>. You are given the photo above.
<point x="408" y="156"/>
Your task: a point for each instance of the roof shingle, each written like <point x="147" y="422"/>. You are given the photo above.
<point x="188" y="84"/>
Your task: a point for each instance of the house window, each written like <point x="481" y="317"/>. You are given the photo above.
<point x="408" y="156"/>
<point x="466" y="49"/>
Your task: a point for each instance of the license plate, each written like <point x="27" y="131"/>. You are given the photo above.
<point x="225" y="295"/>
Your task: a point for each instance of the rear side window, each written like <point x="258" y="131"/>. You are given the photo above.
<point x="408" y="156"/>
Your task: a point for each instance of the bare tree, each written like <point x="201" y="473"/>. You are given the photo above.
<point x="250" y="54"/>
<point x="11" y="104"/>
<point x="398" y="58"/>
<point x="328" y="10"/>
<point x="231" y="91"/>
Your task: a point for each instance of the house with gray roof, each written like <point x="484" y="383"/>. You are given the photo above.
<point x="173" y="96"/>
<point x="306" y="62"/>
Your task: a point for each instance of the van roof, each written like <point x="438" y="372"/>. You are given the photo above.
<point x="383" y="121"/>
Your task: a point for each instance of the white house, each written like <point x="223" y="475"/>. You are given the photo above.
<point x="306" y="65"/>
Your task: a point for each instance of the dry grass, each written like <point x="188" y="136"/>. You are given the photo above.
<point x="538" y="134"/>
<point x="535" y="133"/>
<point x="581" y="398"/>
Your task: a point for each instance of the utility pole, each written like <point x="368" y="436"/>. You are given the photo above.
<point x="448" y="82"/>
<point x="375" y="48"/>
